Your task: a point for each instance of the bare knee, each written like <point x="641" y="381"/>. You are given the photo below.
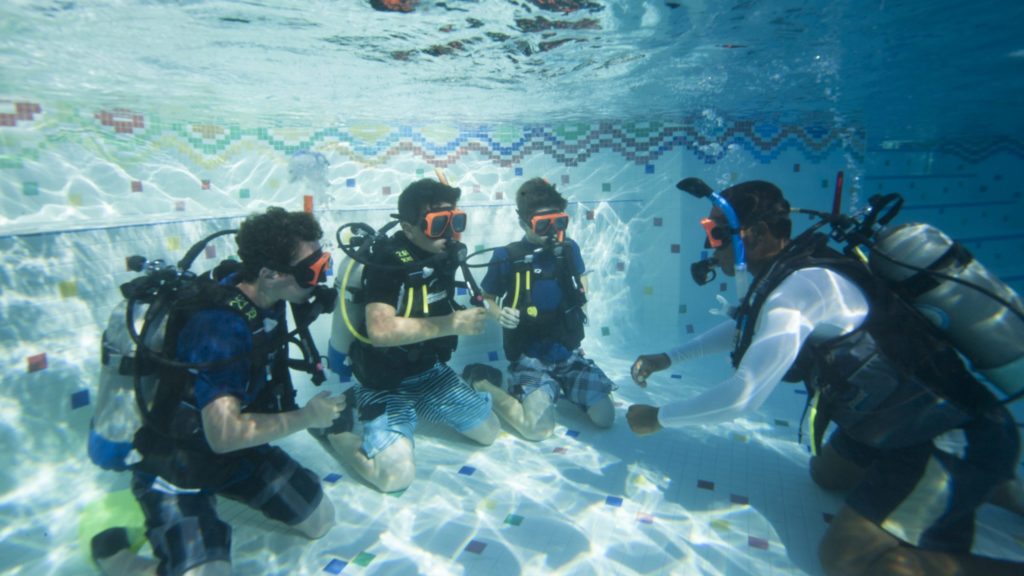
<point x="486" y="432"/>
<point x="319" y="522"/>
<point x="602" y="413"/>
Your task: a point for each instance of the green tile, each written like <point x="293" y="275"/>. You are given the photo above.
<point x="364" y="559"/>
<point x="514" y="519"/>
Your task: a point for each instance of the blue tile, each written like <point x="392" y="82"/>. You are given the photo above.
<point x="350" y="182"/>
<point x="519" y="171"/>
<point x="335" y="566"/>
<point x="332" y="477"/>
<point x="79" y="399"/>
<point x="677" y="376"/>
<point x="467" y="470"/>
<point x="613" y="501"/>
<point x="649" y="169"/>
<point x="492" y="356"/>
<point x="572" y="433"/>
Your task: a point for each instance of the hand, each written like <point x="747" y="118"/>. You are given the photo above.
<point x="646" y="364"/>
<point x="508" y="318"/>
<point x="643" y="419"/>
<point x="322" y="409"/>
<point x="469" y="322"/>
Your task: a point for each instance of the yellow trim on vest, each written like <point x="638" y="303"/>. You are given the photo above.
<point x="515" y="296"/>
<point x="426" y="303"/>
<point x="408" y="303"/>
<point x="344" y="308"/>
<point x="812" y="412"/>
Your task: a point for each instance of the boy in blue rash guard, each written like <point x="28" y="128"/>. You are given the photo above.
<point x="543" y="321"/>
<point x="211" y="423"/>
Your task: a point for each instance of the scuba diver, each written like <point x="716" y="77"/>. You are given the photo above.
<point x="406" y="324"/>
<point x="223" y="394"/>
<point x="894" y="386"/>
<point x="541" y="283"/>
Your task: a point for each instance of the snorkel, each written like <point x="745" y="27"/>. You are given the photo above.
<point x="703" y="270"/>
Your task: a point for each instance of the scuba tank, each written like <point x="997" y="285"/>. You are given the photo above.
<point x="955" y="292"/>
<point x="348" y="315"/>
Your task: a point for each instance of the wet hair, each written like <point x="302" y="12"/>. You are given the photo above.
<point x="536" y="194"/>
<point x="271" y="240"/>
<point x="759" y="201"/>
<point x="422" y="194"/>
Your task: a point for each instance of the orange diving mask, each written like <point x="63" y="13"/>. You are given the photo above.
<point x="436" y="224"/>
<point x="312" y="269"/>
<point x="550" y="223"/>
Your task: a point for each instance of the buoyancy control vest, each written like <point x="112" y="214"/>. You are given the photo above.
<point x="893" y="382"/>
<point x="171" y="440"/>
<point x="563" y="324"/>
<point x="426" y="291"/>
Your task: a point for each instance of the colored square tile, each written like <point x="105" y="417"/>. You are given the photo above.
<point x="677" y="376"/>
<point x="514" y="519"/>
<point x="781" y="423"/>
<point x="572" y="433"/>
<point x="682" y="308"/>
<point x="364" y="559"/>
<point x="467" y="470"/>
<point x="720" y="525"/>
<point x="499" y="195"/>
<point x="350" y="182"/>
<point x="565" y="178"/>
<point x="613" y="501"/>
<point x="605" y="331"/>
<point x="560" y="450"/>
<point x="492" y="356"/>
<point x="649" y="169"/>
<point x="590" y="214"/>
<point x="756" y="542"/>
<point x="796" y="167"/>
<point x="648" y="290"/>
<point x="723" y="287"/>
<point x="460" y="291"/>
<point x="79" y="399"/>
<point x="205" y="184"/>
<point x="332" y="477"/>
<point x="244" y="193"/>
<point x="385" y="191"/>
<point x="37" y="362"/>
<point x="675" y="248"/>
<point x="179" y="206"/>
<point x="30" y="188"/>
<point x="335" y="566"/>
<point x="210" y="251"/>
<point x="68" y="288"/>
<point x="606" y="187"/>
<point x="689" y="329"/>
<point x="644" y="518"/>
<point x="706" y="485"/>
<point x="620" y="266"/>
<point x="307" y="204"/>
<point x="658" y="222"/>
<point x="75" y="199"/>
<point x="737" y="499"/>
<point x="740" y="437"/>
<point x="518" y="171"/>
<point x="475" y="547"/>
<point x="136" y="186"/>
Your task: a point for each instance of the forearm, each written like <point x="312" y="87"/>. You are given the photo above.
<point x="228" y="430"/>
<point x="399" y="331"/>
<point x="716" y="340"/>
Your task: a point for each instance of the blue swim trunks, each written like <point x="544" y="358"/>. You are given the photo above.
<point x="437" y="395"/>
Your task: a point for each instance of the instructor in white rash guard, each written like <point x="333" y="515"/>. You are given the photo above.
<point x="811" y="304"/>
<point x="872" y="367"/>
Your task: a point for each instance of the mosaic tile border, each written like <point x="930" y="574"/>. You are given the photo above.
<point x="569" y="144"/>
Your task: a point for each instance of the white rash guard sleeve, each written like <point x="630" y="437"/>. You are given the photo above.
<point x="716" y="340"/>
<point x="812" y="303"/>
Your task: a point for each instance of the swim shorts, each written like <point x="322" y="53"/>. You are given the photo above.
<point x="926" y="494"/>
<point x="576" y="378"/>
<point x="437" y="395"/>
<point x="182" y="524"/>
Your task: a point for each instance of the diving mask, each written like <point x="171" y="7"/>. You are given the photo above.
<point x="437" y="224"/>
<point x="312" y="269"/>
<point x="550" y="223"/>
